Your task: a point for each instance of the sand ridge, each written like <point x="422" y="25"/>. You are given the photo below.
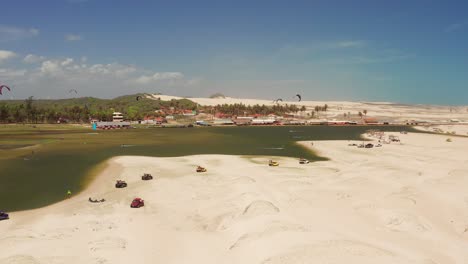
<point x="401" y="203"/>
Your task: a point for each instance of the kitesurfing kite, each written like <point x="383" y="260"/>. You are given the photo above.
<point x="138" y="98"/>
<point x="299" y="96"/>
<point x="277" y="100"/>
<point x="73" y="90"/>
<point x="4" y="86"/>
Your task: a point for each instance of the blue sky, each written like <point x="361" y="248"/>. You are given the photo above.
<point x="401" y="51"/>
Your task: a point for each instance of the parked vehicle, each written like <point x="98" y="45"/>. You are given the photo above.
<point x="273" y="163"/>
<point x="147" y="177"/>
<point x="369" y="145"/>
<point x="137" y="203"/>
<point x="303" y="161"/>
<point x="201" y="169"/>
<point x="4" y="216"/>
<point x="120" y="184"/>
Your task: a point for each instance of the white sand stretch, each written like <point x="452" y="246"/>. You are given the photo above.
<point x="336" y="109"/>
<point x="400" y="204"/>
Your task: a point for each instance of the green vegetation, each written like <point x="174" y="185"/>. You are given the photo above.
<point x="241" y="109"/>
<point x="79" y="110"/>
<point x="59" y="157"/>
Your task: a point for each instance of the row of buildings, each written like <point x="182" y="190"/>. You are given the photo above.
<point x="118" y="121"/>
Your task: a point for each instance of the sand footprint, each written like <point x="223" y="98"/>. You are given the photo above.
<point x="403" y="221"/>
<point x="333" y="252"/>
<point x="260" y="207"/>
<point x="20" y="259"/>
<point x="108" y="243"/>
<point x="273" y="229"/>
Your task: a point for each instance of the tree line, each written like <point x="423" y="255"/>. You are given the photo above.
<point x="242" y="109"/>
<point x="82" y="110"/>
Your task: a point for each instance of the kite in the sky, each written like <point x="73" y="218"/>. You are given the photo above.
<point x="299" y="96"/>
<point x="4" y="86"/>
<point x="277" y="100"/>
<point x="73" y="90"/>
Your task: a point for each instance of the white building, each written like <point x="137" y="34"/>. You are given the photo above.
<point x="223" y="122"/>
<point x="117" y="117"/>
<point x="263" y="121"/>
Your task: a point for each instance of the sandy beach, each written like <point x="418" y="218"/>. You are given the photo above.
<point x="401" y="203"/>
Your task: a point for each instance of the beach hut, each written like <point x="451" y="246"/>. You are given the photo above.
<point x="370" y="120"/>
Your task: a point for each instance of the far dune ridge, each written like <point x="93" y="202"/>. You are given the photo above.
<point x="337" y="109"/>
<point x="401" y="203"/>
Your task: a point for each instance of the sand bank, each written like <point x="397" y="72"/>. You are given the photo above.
<point x="454" y="129"/>
<point x="402" y="203"/>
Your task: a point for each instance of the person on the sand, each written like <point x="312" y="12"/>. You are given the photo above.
<point x="69" y="193"/>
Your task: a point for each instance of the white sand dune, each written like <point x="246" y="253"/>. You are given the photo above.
<point x="336" y="109"/>
<point x="402" y="203"/>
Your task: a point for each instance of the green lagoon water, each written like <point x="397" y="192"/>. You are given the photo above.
<point x="67" y="158"/>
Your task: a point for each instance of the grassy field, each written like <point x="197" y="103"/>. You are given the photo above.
<point x="40" y="163"/>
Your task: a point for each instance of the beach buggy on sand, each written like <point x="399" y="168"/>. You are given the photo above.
<point x="137" y="203"/>
<point x="120" y="184"/>
<point x="201" y="169"/>
<point x="4" y="216"/>
<point x="273" y="163"/>
<point x="147" y="177"/>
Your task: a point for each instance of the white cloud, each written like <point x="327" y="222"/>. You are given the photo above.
<point x="6" y="55"/>
<point x="8" y="33"/>
<point x="8" y="74"/>
<point x="160" y="76"/>
<point x="350" y="44"/>
<point x="73" y="37"/>
<point x="31" y="58"/>
<point x="353" y="60"/>
<point x="67" y="61"/>
<point x="456" y="26"/>
<point x="55" y="77"/>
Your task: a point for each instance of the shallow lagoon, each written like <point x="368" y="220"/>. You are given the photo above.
<point x="69" y="157"/>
